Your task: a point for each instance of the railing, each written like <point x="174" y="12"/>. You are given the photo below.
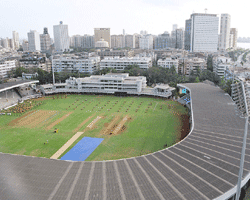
<point x="160" y="94"/>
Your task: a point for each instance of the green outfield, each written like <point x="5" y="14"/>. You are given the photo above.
<point x="130" y="126"/>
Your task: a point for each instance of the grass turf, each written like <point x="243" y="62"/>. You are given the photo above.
<point x="155" y="125"/>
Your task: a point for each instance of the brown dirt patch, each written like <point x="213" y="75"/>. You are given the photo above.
<point x="110" y="126"/>
<point x="13" y="122"/>
<point x="84" y="122"/>
<point x="91" y="125"/>
<point x="120" y="125"/>
<point x="59" y="120"/>
<point x="41" y="99"/>
<point x="42" y="115"/>
<point x="185" y="129"/>
<point x="33" y="119"/>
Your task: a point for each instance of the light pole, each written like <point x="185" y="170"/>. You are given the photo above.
<point x="239" y="96"/>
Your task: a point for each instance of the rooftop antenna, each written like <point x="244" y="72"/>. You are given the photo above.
<point x="206" y="10"/>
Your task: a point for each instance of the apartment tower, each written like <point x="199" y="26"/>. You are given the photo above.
<point x="45" y="40"/>
<point x="61" y="37"/>
<point x="15" y="37"/>
<point x="234" y="34"/>
<point x="34" y="41"/>
<point x="225" y="22"/>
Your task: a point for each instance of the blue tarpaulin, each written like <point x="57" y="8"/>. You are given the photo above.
<point x="82" y="149"/>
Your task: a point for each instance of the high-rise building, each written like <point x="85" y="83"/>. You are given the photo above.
<point x="15" y="37"/>
<point x="5" y="43"/>
<point x="234" y="32"/>
<point x="225" y="22"/>
<point x="61" y="37"/>
<point x="76" y="41"/>
<point x="163" y="41"/>
<point x="87" y="41"/>
<point x="25" y="45"/>
<point x="204" y="32"/>
<point x="102" y="33"/>
<point x="137" y="40"/>
<point x="187" y="37"/>
<point x="34" y="41"/>
<point x="45" y="40"/>
<point x="178" y="38"/>
<point x="175" y="26"/>
<point x="146" y="42"/>
<point x="11" y="44"/>
<point x="130" y="41"/>
<point x="143" y="32"/>
<point x="117" y="41"/>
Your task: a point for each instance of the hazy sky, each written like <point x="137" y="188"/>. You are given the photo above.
<point x="82" y="16"/>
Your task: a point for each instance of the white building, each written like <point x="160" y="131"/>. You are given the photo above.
<point x="5" y="67"/>
<point x="101" y="44"/>
<point x="119" y="64"/>
<point x="224" y="31"/>
<point x="61" y="37"/>
<point x="77" y="64"/>
<point x="168" y="63"/>
<point x="146" y="42"/>
<point x="221" y="64"/>
<point x="15" y="36"/>
<point x="204" y="32"/>
<point x="29" y="76"/>
<point x="109" y="82"/>
<point x="120" y="83"/>
<point x="34" y="41"/>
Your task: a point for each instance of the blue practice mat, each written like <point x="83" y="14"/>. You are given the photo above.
<point x="82" y="149"/>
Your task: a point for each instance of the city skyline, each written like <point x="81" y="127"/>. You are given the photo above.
<point x="82" y="17"/>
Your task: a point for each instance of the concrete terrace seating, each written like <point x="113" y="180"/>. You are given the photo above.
<point x="203" y="166"/>
<point x="12" y="98"/>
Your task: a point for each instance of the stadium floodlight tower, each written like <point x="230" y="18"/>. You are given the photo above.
<point x="53" y="72"/>
<point x="241" y="99"/>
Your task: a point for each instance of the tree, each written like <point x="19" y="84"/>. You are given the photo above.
<point x="197" y="80"/>
<point x="19" y="70"/>
<point x="210" y="62"/>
